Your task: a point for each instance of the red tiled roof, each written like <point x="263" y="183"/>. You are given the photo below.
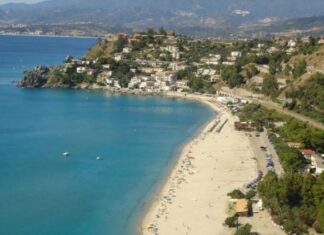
<point x="307" y="152"/>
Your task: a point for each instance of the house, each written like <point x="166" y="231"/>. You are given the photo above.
<point x="236" y="54"/>
<point x="227" y="100"/>
<point x="127" y="50"/>
<point x="318" y="164"/>
<point x="182" y="85"/>
<point x="242" y="207"/>
<point x="106" y="66"/>
<point x="134" y="83"/>
<point x="260" y="45"/>
<point x="118" y="56"/>
<point x="228" y="63"/>
<point x="306" y="39"/>
<point x="91" y="72"/>
<point x="150" y="70"/>
<point x="273" y="50"/>
<point x="321" y="41"/>
<point x="308" y="153"/>
<point x="81" y="69"/>
<point x="243" y="126"/>
<point x="295" y="145"/>
<point x="174" y="51"/>
<point x="291" y="50"/>
<point x="215" y="77"/>
<point x="292" y="44"/>
<point x="264" y="68"/>
<point x="76" y="61"/>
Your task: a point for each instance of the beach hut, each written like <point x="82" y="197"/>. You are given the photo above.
<point x="242" y="208"/>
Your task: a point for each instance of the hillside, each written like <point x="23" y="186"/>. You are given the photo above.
<point x="103" y="48"/>
<point x="197" y="17"/>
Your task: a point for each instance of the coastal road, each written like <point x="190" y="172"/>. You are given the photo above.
<point x="266" y="102"/>
<point x="280" y="109"/>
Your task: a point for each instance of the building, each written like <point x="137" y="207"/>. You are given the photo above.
<point x="295" y="145"/>
<point x="228" y="63"/>
<point x="81" y="69"/>
<point x="134" y="82"/>
<point x="236" y="54"/>
<point x="264" y="68"/>
<point x="308" y="153"/>
<point x="243" y="126"/>
<point x="227" y="100"/>
<point x="292" y="43"/>
<point x="318" y="164"/>
<point x="127" y="50"/>
<point x="118" y="56"/>
<point x="242" y="207"/>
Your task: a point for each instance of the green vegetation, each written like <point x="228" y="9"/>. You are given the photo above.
<point x="292" y="130"/>
<point x="236" y="194"/>
<point x="270" y="86"/>
<point x="294" y="200"/>
<point x="250" y="194"/>
<point x="231" y="221"/>
<point x="297" y="131"/>
<point x="299" y="68"/>
<point x="291" y="159"/>
<point x="244" y="230"/>
<point x="309" y="99"/>
<point x="231" y="74"/>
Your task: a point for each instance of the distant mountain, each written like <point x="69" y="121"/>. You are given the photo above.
<point x="186" y="15"/>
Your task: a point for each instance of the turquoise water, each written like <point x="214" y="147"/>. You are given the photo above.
<point x="41" y="192"/>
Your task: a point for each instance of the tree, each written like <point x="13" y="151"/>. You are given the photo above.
<point x="250" y="194"/>
<point x="244" y="230"/>
<point x="270" y="86"/>
<point x="231" y="75"/>
<point x="162" y="31"/>
<point x="236" y="193"/>
<point x="231" y="221"/>
<point x="299" y="68"/>
<point x="320" y="216"/>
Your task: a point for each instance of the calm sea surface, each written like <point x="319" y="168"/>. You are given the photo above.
<point x="41" y="192"/>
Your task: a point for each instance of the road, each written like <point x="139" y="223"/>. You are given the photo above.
<point x="266" y="102"/>
<point x="280" y="109"/>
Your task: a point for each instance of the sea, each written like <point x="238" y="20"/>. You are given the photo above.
<point x="136" y="138"/>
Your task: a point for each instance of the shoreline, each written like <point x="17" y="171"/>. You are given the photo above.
<point x="157" y="190"/>
<point x="229" y="178"/>
<point x="151" y="214"/>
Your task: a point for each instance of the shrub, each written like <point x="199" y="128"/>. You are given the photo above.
<point x="236" y="194"/>
<point x="231" y="221"/>
<point x="244" y="230"/>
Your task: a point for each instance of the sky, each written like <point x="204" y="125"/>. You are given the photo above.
<point x="25" y="1"/>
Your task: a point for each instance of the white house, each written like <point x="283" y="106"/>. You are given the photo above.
<point x="106" y="66"/>
<point x="292" y="43"/>
<point x="81" y="69"/>
<point x="118" y="56"/>
<point x="228" y="63"/>
<point x="227" y="100"/>
<point x="127" y="50"/>
<point x="182" y="85"/>
<point x="318" y="164"/>
<point x="134" y="82"/>
<point x="236" y="54"/>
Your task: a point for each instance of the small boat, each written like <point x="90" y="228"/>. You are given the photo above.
<point x="99" y="158"/>
<point x="66" y="154"/>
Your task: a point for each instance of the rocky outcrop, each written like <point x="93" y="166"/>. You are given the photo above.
<point x="37" y="77"/>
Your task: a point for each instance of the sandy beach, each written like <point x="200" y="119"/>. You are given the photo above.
<point x="194" y="199"/>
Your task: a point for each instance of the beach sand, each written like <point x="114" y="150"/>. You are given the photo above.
<point x="194" y="198"/>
